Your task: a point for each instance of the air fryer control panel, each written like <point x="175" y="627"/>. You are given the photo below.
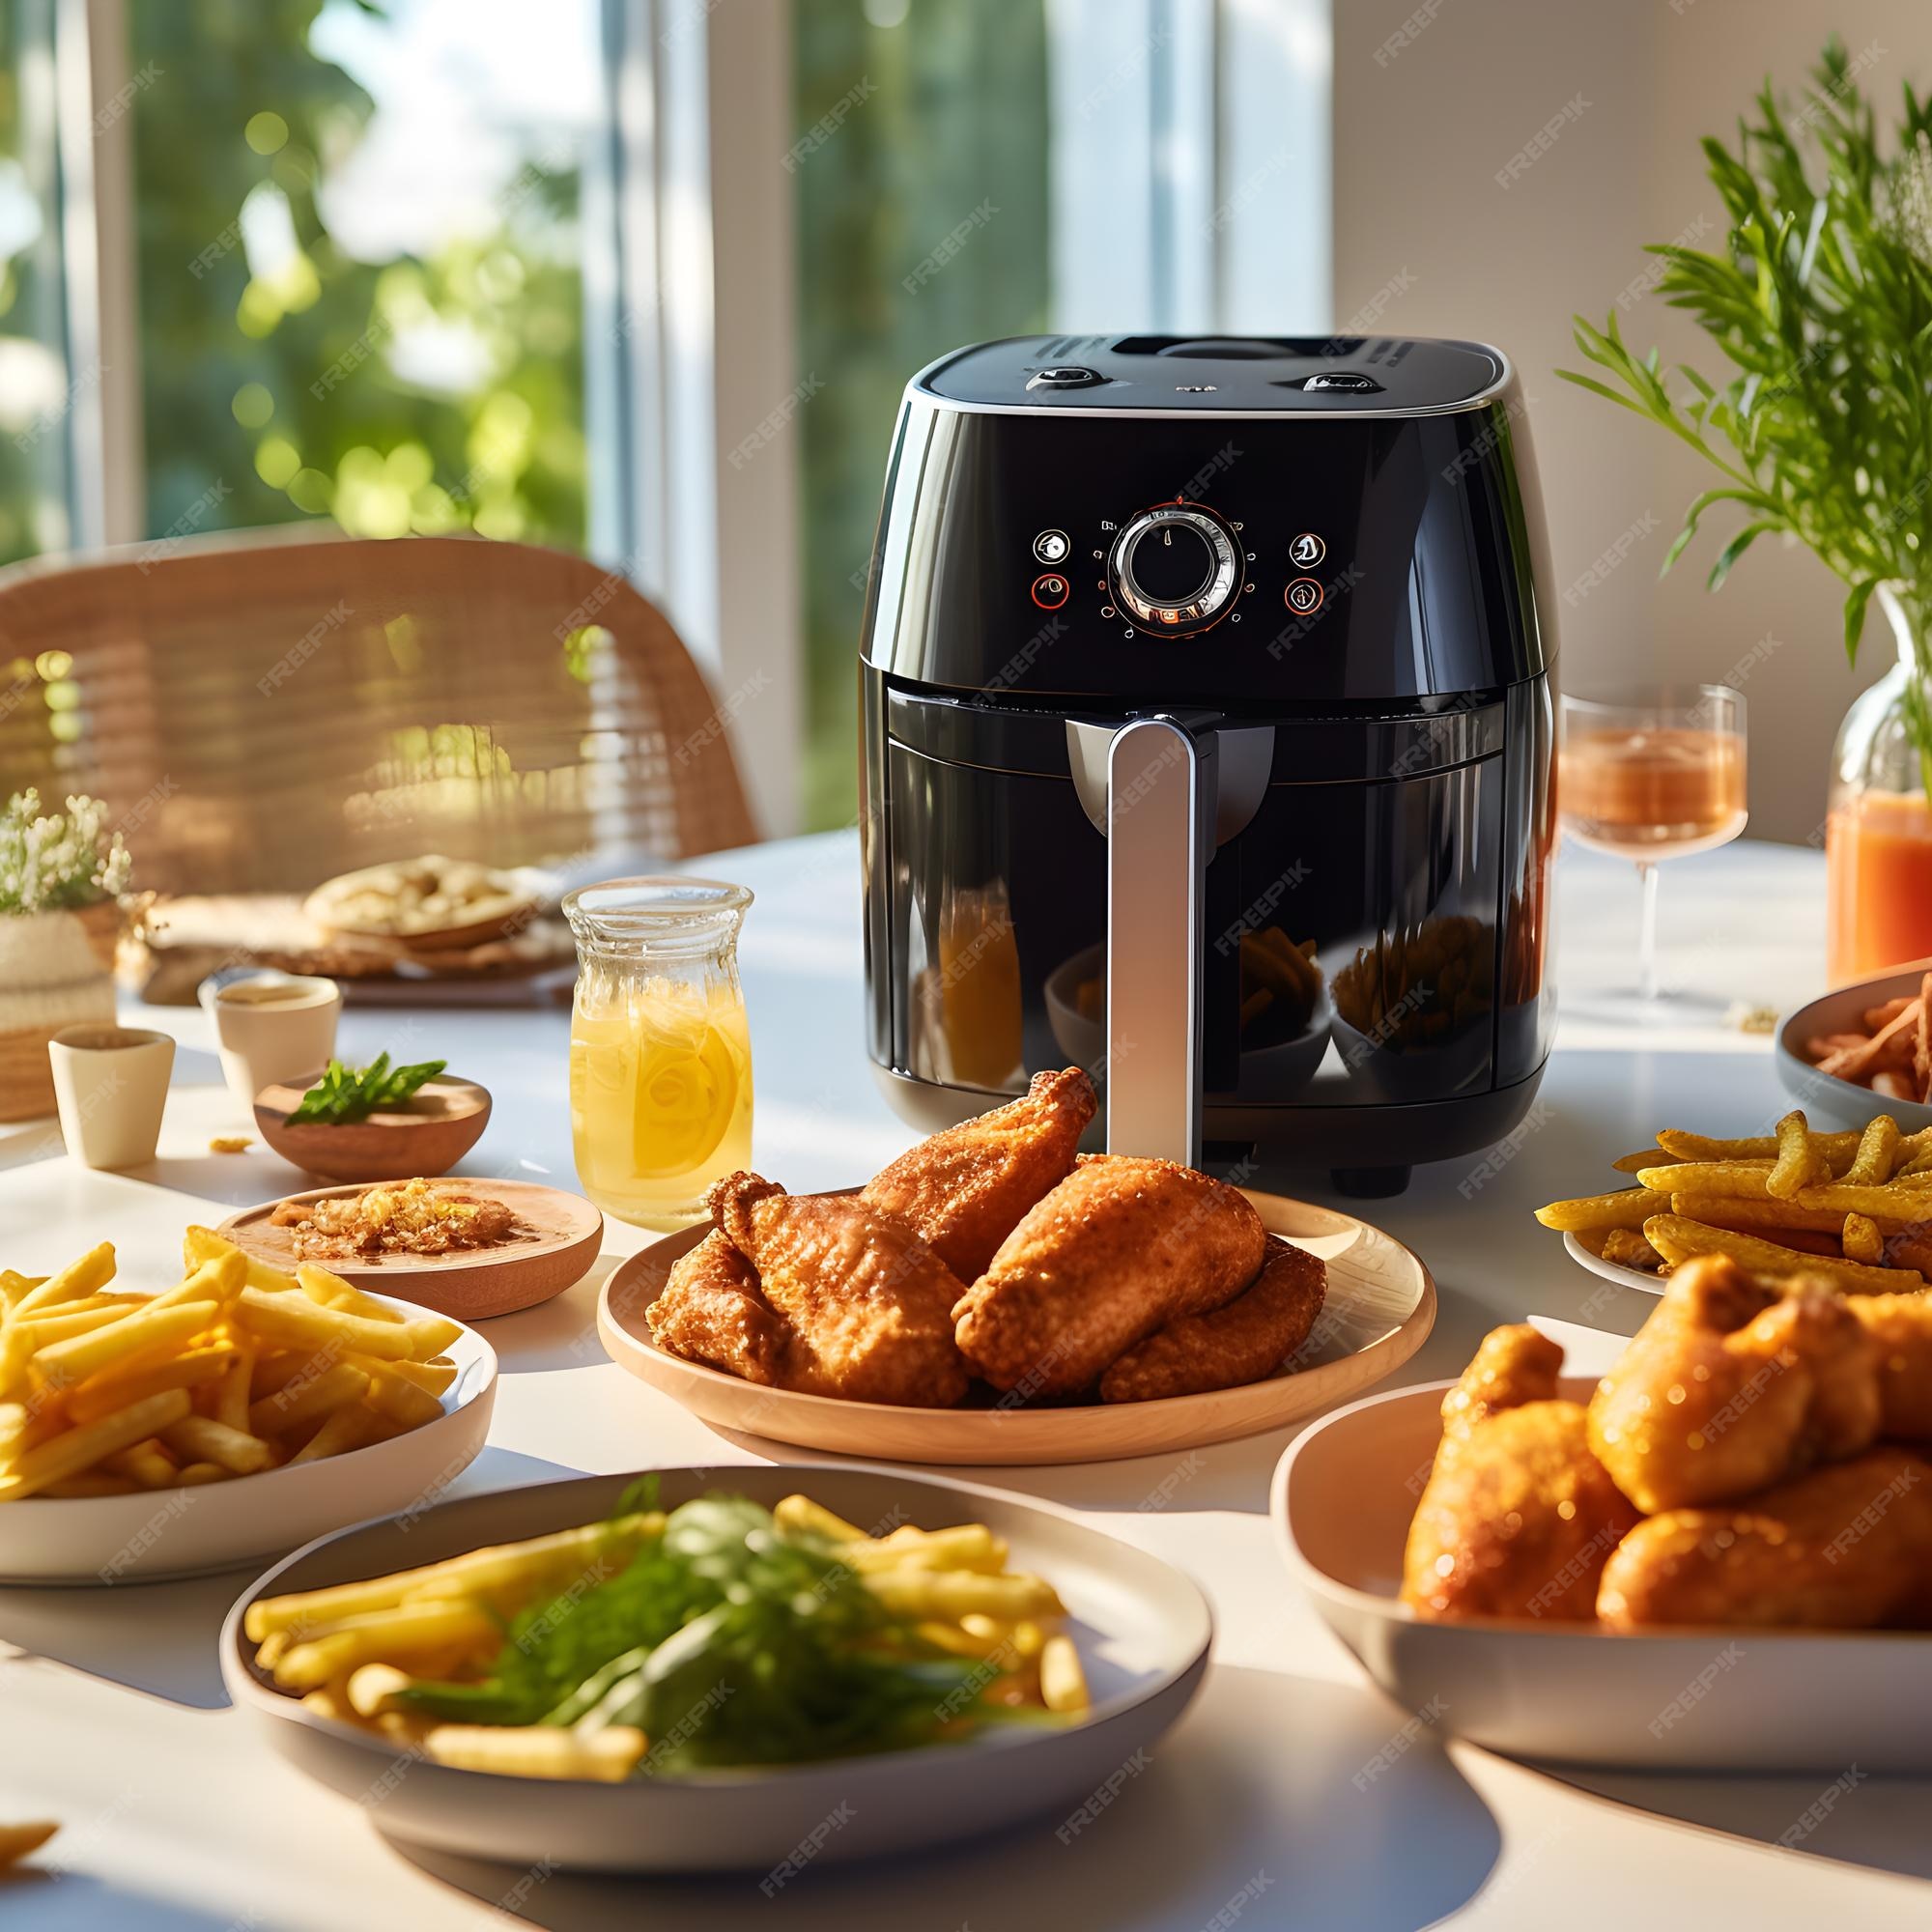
<point x="1258" y="560"/>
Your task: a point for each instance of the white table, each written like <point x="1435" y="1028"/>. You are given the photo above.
<point x="111" y="1713"/>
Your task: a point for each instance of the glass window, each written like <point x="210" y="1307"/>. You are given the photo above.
<point x="920" y="179"/>
<point x="359" y="271"/>
<point x="35" y="388"/>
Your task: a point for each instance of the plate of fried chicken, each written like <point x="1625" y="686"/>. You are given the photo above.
<point x="1717" y="1557"/>
<point x="996" y="1297"/>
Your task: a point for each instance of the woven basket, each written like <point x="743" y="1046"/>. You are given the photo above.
<point x="75" y="995"/>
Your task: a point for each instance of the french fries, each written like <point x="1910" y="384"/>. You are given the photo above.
<point x="18" y="1841"/>
<point x="1799" y="1164"/>
<point x="1677" y="1239"/>
<point x="1892" y="1053"/>
<point x="1853" y="1208"/>
<point x="394" y="1654"/>
<point x="234" y="1370"/>
<point x="539" y="1750"/>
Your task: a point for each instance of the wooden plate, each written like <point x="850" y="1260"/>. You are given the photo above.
<point x="565" y="1233"/>
<point x="438" y="1124"/>
<point x="1379" y="1310"/>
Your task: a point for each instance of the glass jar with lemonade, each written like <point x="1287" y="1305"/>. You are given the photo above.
<point x="660" y="1047"/>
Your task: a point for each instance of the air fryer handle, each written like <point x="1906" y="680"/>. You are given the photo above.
<point x="1162" y="790"/>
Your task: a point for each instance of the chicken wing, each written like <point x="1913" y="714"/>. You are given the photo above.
<point x="1734" y="1383"/>
<point x="1900" y="1327"/>
<point x="1848" y="1547"/>
<point x="1117" y="1250"/>
<point x="965" y="1190"/>
<point x="870" y="1302"/>
<point x="1247" y="1339"/>
<point x="1517" y="1518"/>
<point x="712" y="1310"/>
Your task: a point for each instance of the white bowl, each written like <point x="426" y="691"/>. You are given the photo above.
<point x="1694" y="1700"/>
<point x="1143" y="1629"/>
<point x="1625" y="1277"/>
<point x="1827" y="1100"/>
<point x="162" y="1534"/>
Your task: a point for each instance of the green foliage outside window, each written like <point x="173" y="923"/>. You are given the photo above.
<point x="944" y="114"/>
<point x="272" y="398"/>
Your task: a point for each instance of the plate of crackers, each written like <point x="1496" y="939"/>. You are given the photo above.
<point x="1851" y="1206"/>
<point x="997" y="1296"/>
<point x="1862" y="1049"/>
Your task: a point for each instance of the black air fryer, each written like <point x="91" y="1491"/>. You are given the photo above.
<point x="1208" y="729"/>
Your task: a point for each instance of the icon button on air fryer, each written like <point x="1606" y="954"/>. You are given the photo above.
<point x="1307" y="551"/>
<point x="1049" y="592"/>
<point x="1304" y="595"/>
<point x="1051" y="546"/>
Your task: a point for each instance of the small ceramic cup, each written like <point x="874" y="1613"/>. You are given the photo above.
<point x="270" y="1026"/>
<point x="110" y="1085"/>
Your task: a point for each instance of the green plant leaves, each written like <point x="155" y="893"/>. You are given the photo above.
<point x="340" y="1097"/>
<point x="1822" y="304"/>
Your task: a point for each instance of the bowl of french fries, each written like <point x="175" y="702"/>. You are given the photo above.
<point x="1862" y="1050"/>
<point x="150" y="1431"/>
<point x="692" y="1669"/>
<point x="1852" y="1205"/>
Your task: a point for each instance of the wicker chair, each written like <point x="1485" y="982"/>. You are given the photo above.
<point x="261" y="713"/>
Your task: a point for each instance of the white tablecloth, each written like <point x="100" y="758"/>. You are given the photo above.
<point x="112" y="1717"/>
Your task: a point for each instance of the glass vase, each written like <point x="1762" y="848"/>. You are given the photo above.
<point x="1878" y="827"/>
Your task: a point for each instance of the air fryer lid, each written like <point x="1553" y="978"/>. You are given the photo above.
<point x="1293" y="374"/>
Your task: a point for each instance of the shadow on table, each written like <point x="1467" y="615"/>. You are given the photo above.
<point x="1265" y="1803"/>
<point x="1875" y="1820"/>
<point x="52" y="1899"/>
<point x="560" y="1333"/>
<point x="163" y="1640"/>
<point x="1229" y="1477"/>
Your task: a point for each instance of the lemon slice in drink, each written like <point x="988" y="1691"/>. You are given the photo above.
<point x="686" y="1091"/>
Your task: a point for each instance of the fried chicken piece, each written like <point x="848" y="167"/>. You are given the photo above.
<point x="1242" y="1341"/>
<point x="1511" y="1367"/>
<point x="1734" y="1383"/>
<point x="1117" y="1249"/>
<point x="869" y="1300"/>
<point x="965" y="1190"/>
<point x="1900" y="1327"/>
<point x="712" y="1310"/>
<point x="1517" y="1518"/>
<point x="1846" y="1547"/>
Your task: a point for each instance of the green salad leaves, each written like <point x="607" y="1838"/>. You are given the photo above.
<point x="341" y="1096"/>
<point x="728" y="1640"/>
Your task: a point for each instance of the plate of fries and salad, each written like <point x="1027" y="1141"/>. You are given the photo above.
<point x="241" y="1410"/>
<point x="693" y="1669"/>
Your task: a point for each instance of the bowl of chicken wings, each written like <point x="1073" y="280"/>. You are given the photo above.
<point x="996" y="1297"/>
<point x="1717" y="1557"/>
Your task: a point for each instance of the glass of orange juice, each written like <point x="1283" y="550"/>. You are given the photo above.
<point x="660" y="1047"/>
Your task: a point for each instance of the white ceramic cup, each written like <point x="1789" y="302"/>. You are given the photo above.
<point x="271" y="1027"/>
<point x="111" y="1085"/>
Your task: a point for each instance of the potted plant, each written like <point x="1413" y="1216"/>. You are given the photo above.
<point x="1822" y="303"/>
<point x="59" y="920"/>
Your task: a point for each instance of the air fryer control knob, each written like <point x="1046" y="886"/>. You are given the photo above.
<point x="1175" y="568"/>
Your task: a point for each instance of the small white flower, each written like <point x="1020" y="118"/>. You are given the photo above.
<point x="55" y="860"/>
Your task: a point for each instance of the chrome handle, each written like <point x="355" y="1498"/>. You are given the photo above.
<point x="1160" y="834"/>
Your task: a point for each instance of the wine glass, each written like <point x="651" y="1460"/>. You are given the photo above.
<point x="1649" y="773"/>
